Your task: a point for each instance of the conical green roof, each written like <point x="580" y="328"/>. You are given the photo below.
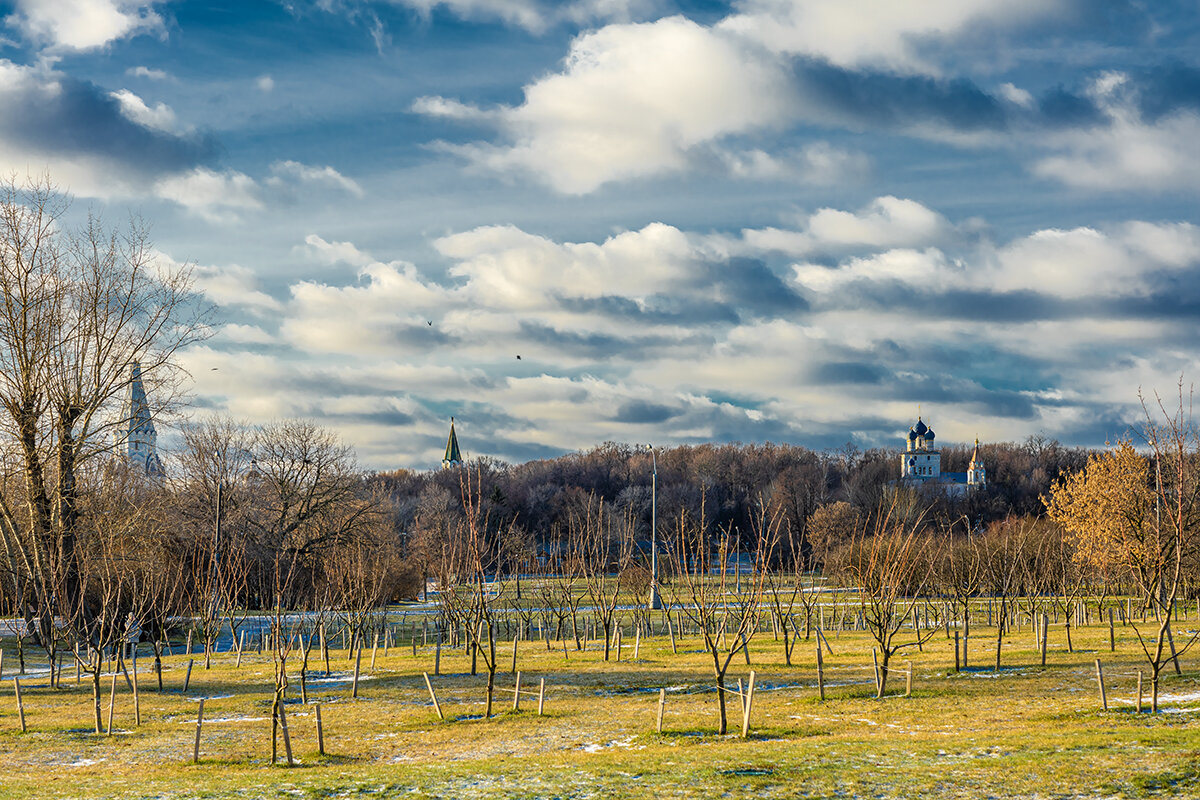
<point x="452" y="454"/>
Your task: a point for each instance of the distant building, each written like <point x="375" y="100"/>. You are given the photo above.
<point x="921" y="464"/>
<point x="136" y="438"/>
<point x="453" y="456"/>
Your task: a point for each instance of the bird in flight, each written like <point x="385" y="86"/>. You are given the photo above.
<point x="429" y="322"/>
<point x="518" y="358"/>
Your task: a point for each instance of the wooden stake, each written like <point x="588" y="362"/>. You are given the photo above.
<point x="748" y="706"/>
<point x="433" y="696"/>
<point x="671" y="630"/>
<point x="1045" y="636"/>
<point x="287" y="740"/>
<point x="437" y="656"/>
<point x="187" y="678"/>
<point x="662" y="704"/>
<point x="908" y="685"/>
<point x="112" y="702"/>
<point x="1100" y="681"/>
<point x="820" y="672"/>
<point x="21" y="706"/>
<point x="320" y="732"/>
<point x="514" y="655"/>
<point x="637" y="642"/>
<point x="875" y="663"/>
<point x="1112" y="635"/>
<point x="541" y="695"/>
<point x="199" y="723"/>
<point x="357" y="664"/>
<point x="1139" y="692"/>
<point x="517" y="693"/>
<point x="241" y="647"/>
<point x="137" y="707"/>
<point x="374" y="648"/>
<point x="957" y="660"/>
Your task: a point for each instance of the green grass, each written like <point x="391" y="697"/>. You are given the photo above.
<point x="1025" y="731"/>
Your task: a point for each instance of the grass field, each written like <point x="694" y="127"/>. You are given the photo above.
<point x="1024" y="731"/>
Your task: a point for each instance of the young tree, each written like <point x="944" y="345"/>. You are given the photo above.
<point x="889" y="568"/>
<point x="700" y="586"/>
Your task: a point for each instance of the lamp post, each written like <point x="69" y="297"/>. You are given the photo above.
<point x="655" y="599"/>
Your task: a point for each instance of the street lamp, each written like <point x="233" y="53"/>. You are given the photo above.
<point x="655" y="600"/>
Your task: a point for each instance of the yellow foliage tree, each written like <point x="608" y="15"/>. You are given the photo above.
<point x="1106" y="510"/>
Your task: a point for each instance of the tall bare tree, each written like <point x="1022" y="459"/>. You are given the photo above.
<point x="78" y="308"/>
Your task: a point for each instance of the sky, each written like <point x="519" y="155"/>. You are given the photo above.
<point x="644" y="221"/>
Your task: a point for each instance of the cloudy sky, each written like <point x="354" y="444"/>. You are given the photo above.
<point x="762" y="220"/>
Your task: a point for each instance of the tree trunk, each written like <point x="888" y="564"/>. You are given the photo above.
<point x="95" y="671"/>
<point x="883" y="672"/>
<point x="723" y="722"/>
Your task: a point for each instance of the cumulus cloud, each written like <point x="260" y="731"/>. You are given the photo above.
<point x="265" y="83"/>
<point x="1130" y="151"/>
<point x="84" y="24"/>
<point x="633" y="100"/>
<point x="876" y="34"/>
<point x="160" y="117"/>
<point x="659" y="327"/>
<point x="886" y="222"/>
<point x="95" y="142"/>
<point x="219" y="196"/>
<point x="234" y="286"/>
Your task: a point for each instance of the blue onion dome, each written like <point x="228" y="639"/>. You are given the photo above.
<point x="929" y="433"/>
<point x="912" y="435"/>
<point x="920" y="429"/>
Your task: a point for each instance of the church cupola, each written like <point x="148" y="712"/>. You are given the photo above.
<point x="453" y="456"/>
<point x="921" y="461"/>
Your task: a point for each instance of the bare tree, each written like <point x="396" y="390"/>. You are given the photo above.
<point x="77" y="309"/>
<point x="605" y="547"/>
<point x="700" y="587"/>
<point x="889" y="568"/>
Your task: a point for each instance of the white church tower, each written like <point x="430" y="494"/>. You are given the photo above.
<point x="922" y="460"/>
<point x="136" y="435"/>
<point x="976" y="472"/>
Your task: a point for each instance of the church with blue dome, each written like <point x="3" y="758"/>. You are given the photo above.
<point x="921" y="463"/>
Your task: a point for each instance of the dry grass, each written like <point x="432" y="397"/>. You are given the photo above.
<point x="1022" y="732"/>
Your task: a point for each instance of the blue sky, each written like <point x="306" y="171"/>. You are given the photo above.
<point x="767" y="220"/>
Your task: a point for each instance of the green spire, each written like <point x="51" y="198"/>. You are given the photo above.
<point x="453" y="457"/>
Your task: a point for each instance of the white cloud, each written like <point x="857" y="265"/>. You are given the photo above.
<point x="819" y="164"/>
<point x="536" y="16"/>
<point x="873" y="33"/>
<point x="318" y="249"/>
<point x="1128" y="152"/>
<point x="244" y="334"/>
<point x="265" y="83"/>
<point x="452" y="109"/>
<point x="1016" y="95"/>
<point x="84" y="24"/>
<point x="134" y="108"/>
<point x="885" y="222"/>
<point x="148" y="73"/>
<point x="234" y="286"/>
<point x="635" y="100"/>
<point x="217" y="196"/>
<point x="292" y="175"/>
